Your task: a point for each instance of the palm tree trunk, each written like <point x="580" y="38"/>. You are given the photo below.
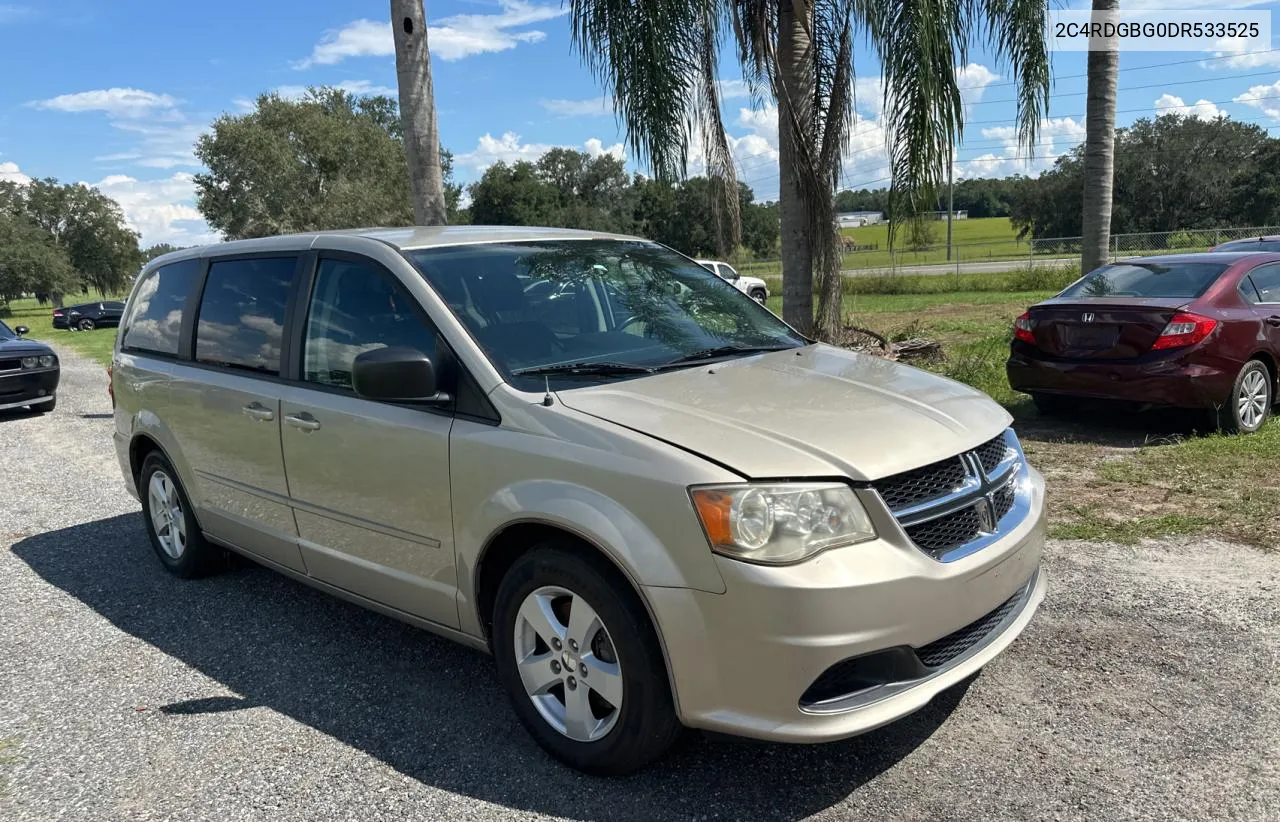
<point x="418" y="111"/>
<point x="795" y="77"/>
<point x="1099" y="149"/>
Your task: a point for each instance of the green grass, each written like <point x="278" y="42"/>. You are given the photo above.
<point x="96" y="345"/>
<point x="1091" y="523"/>
<point x="1051" y="278"/>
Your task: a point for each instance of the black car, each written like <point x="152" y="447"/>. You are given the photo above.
<point x="28" y="372"/>
<point x="88" y="316"/>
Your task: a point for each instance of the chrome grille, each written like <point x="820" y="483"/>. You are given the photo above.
<point x="922" y="484"/>
<point x="953" y="503"/>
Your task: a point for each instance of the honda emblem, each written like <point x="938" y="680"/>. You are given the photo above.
<point x="1086" y="317"/>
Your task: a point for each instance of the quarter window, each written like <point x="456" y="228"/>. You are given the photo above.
<point x="358" y="307"/>
<point x="242" y="313"/>
<point x="154" y="323"/>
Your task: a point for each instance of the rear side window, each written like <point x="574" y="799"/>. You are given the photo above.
<point x="1267" y="280"/>
<point x="1148" y="279"/>
<point x="242" y="313"/>
<point x="154" y="323"/>
<point x="358" y="307"/>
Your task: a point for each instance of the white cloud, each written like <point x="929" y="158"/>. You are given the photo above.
<point x="162" y="211"/>
<point x="1232" y="54"/>
<point x="868" y="95"/>
<point x="1056" y="137"/>
<point x="116" y="102"/>
<point x="10" y="173"/>
<point x="356" y="87"/>
<point x="509" y="149"/>
<point x="595" y="106"/>
<point x="733" y="89"/>
<point x="973" y="80"/>
<point x="452" y="38"/>
<point x="160" y="144"/>
<point x="1264" y="98"/>
<point x="1203" y="109"/>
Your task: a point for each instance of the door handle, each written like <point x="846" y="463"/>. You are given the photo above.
<point x="304" y="421"/>
<point x="1273" y="321"/>
<point x="258" y="411"/>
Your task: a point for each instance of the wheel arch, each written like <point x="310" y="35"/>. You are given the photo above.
<point x="1266" y="358"/>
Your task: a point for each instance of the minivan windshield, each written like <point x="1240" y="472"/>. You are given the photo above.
<point x="579" y="312"/>
<point x="1184" y="280"/>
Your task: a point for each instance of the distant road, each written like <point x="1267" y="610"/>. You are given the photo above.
<point x="939" y="269"/>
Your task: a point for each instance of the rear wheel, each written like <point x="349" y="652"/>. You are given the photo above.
<point x="1249" y="405"/>
<point x="171" y="525"/>
<point x="581" y="663"/>
<point x="87" y="324"/>
<point x="1052" y="404"/>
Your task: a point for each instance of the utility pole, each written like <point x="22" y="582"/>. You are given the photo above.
<point x="951" y="200"/>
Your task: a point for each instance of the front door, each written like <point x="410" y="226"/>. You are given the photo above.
<point x="1266" y="281"/>
<point x="369" y="481"/>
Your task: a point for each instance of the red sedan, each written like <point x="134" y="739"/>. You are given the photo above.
<point x="1183" y="330"/>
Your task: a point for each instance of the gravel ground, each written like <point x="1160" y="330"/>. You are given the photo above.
<point x="1147" y="688"/>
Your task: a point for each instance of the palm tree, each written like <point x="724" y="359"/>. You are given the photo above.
<point x="1099" y="148"/>
<point x="418" y="112"/>
<point x="659" y="60"/>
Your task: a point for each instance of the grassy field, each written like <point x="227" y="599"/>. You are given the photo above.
<point x="992" y="238"/>
<point x="1111" y="475"/>
<point x="96" y="344"/>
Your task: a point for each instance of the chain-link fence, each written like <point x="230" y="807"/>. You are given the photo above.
<point x="1004" y="253"/>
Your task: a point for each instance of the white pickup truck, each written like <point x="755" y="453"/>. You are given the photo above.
<point x="753" y="287"/>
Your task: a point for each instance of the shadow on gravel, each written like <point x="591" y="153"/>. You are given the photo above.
<point x="1113" y="425"/>
<point x="425" y="706"/>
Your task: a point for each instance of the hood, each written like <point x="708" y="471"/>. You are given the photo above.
<point x="22" y="348"/>
<point x="751" y="280"/>
<point x="810" y="412"/>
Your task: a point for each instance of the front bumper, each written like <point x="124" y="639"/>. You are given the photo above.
<point x="741" y="662"/>
<point x="1183" y="380"/>
<point x="31" y="386"/>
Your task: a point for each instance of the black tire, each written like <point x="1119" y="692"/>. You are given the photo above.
<point x="45" y="407"/>
<point x="1054" y="404"/>
<point x="758" y="295"/>
<point x="198" y="556"/>
<point x="1231" y="419"/>
<point x="646" y="724"/>
<point x="87" y="324"/>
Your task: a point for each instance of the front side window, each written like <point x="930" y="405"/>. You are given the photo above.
<point x="6" y="333"/>
<point x="1148" y="279"/>
<point x="242" y="313"/>
<point x="586" y="311"/>
<point x="154" y="321"/>
<point x="357" y="307"/>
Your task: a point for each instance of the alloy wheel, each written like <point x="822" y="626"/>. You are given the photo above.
<point x="567" y="663"/>
<point x="166" y="514"/>
<point x="1252" y="401"/>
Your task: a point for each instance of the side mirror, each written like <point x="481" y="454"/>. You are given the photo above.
<point x="396" y="374"/>
<point x="22" y="329"/>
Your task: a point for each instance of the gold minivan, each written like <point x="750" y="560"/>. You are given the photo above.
<point x="654" y="503"/>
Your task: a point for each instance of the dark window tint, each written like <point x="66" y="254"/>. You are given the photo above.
<point x="1250" y="245"/>
<point x="1248" y="291"/>
<point x="155" y="309"/>
<point x="358" y="307"/>
<point x="113" y="306"/>
<point x="242" y="313"/>
<point x="1148" y="279"/>
<point x="1267" y="280"/>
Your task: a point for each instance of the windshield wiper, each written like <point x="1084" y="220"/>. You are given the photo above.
<point x="593" y="369"/>
<point x="726" y="350"/>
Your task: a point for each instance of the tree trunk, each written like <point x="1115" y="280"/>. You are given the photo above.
<point x="795" y="78"/>
<point x="1099" y="146"/>
<point x="418" y="111"/>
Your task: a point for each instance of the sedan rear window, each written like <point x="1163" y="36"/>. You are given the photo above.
<point x="1250" y="245"/>
<point x="1148" y="279"/>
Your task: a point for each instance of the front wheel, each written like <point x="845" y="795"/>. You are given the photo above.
<point x="1249" y="405"/>
<point x="581" y="663"/>
<point x="759" y="296"/>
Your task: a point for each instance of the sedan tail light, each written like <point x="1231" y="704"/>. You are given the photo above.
<point x="1184" y="329"/>
<point x="57" y="313"/>
<point x="1024" y="328"/>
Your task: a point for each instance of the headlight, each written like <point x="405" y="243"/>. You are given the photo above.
<point x="782" y="523"/>
<point x="30" y="362"/>
<point x="48" y="361"/>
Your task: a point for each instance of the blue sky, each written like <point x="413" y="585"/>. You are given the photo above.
<point x="113" y="92"/>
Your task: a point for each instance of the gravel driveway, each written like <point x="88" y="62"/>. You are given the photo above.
<point x="1147" y="688"/>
